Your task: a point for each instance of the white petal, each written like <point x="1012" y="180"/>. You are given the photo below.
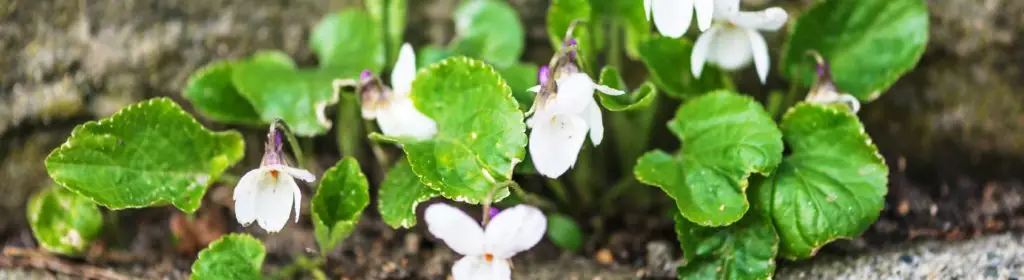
<point x="515" y="230"/>
<point x="534" y="89"/>
<point x="647" y="9"/>
<point x="672" y="17"/>
<point x="699" y="55"/>
<point x="404" y="72"/>
<point x="574" y="91"/>
<point x="555" y="143"/>
<point x="850" y="101"/>
<point x="245" y="197"/>
<point x="704" y="9"/>
<point x="730" y="49"/>
<point x="760" y="51"/>
<point x="298" y="173"/>
<point x="726" y="8"/>
<point x="607" y="90"/>
<point x="274" y="200"/>
<point x="458" y="230"/>
<point x="594" y="122"/>
<point x="400" y="118"/>
<point x="477" y="268"/>
<point x="770" y="19"/>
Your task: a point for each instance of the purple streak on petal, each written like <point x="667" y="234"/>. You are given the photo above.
<point x="277" y="139"/>
<point x="493" y="212"/>
<point x="543" y="74"/>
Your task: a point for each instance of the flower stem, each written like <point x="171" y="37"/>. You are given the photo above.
<point x="559" y="189"/>
<point x="292" y="142"/>
<point x="614" y="55"/>
<point x="490" y="198"/>
<point x="533" y="199"/>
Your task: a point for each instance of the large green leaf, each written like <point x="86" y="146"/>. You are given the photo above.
<point x="560" y="15"/>
<point x="870" y="43"/>
<point x="338" y="203"/>
<point x="741" y="251"/>
<point x="399" y="194"/>
<point x="725" y="137"/>
<point x="349" y="41"/>
<point x="489" y="30"/>
<point x="637" y="99"/>
<point x="233" y="256"/>
<point x="564" y="232"/>
<point x="668" y="61"/>
<point x="832" y="186"/>
<point x="391" y="15"/>
<point x="149" y="153"/>
<point x="64" y="222"/>
<point x="211" y="92"/>
<point x="520" y="78"/>
<point x="276" y="89"/>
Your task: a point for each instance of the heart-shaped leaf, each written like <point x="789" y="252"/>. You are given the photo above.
<point x="399" y="194"/>
<point x="431" y="54"/>
<point x="668" y="61"/>
<point x="149" y="153"/>
<point x="638" y="99"/>
<point x="276" y="89"/>
<point x="832" y="186"/>
<point x="744" y="250"/>
<point x="348" y="42"/>
<point x="64" y="222"/>
<point x="391" y="15"/>
<point x="564" y="232"/>
<point x="211" y="92"/>
<point x="520" y="78"/>
<point x="233" y="256"/>
<point x="852" y="36"/>
<point x="560" y="16"/>
<point x="339" y="202"/>
<point x="489" y="30"/>
<point x="725" y="137"/>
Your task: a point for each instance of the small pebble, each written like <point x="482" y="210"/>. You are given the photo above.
<point x="604" y="256"/>
<point x="991" y="271"/>
<point x="908" y="259"/>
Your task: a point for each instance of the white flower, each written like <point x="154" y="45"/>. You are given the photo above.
<point x="733" y="40"/>
<point x="486" y="251"/>
<point x="672" y="17"/>
<point x="393" y="109"/>
<point x="824" y="90"/>
<point x="267" y="194"/>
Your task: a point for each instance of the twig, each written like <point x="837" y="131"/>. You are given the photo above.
<point x="14" y="257"/>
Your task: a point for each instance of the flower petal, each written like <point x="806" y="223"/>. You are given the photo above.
<point x="647" y="9"/>
<point x="401" y="118"/>
<point x="298" y="173"/>
<point x="404" y="72"/>
<point x="555" y="143"/>
<point x="730" y="49"/>
<point x="770" y="19"/>
<point x="574" y="91"/>
<point x="672" y="17"/>
<point x="515" y="230"/>
<point x="704" y="10"/>
<point x="476" y="267"/>
<point x="726" y="8"/>
<point x="759" y="49"/>
<point x="455" y="228"/>
<point x="701" y="50"/>
<point x="274" y="201"/>
<point x="593" y="117"/>
<point x="534" y="89"/>
<point x="245" y="197"/>
<point x="607" y="90"/>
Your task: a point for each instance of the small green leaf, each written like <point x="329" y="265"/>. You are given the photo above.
<point x="338" y="203"/>
<point x="391" y="15"/>
<point x="64" y="222"/>
<point x="276" y="89"/>
<point x="233" y="256"/>
<point x="561" y="14"/>
<point x="521" y="77"/>
<point x="349" y="41"/>
<point x="744" y="250"/>
<point x="431" y="54"/>
<point x="852" y="35"/>
<point x="832" y="186"/>
<point x="481" y="135"/>
<point x="399" y="194"/>
<point x="564" y="232"/>
<point x="489" y="30"/>
<point x="638" y="99"/>
<point x="668" y="61"/>
<point x="211" y="92"/>
<point x="149" y="153"/>
<point x="725" y="138"/>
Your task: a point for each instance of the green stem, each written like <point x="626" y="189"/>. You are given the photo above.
<point x="533" y="199"/>
<point x="383" y="161"/>
<point x="559" y="189"/>
<point x="294" y="144"/>
<point x="614" y="55"/>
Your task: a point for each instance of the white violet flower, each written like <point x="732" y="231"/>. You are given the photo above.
<point x="267" y="194"/>
<point x="733" y="40"/>
<point x="565" y="109"/>
<point x="825" y="91"/>
<point x="672" y="17"/>
<point x="391" y="107"/>
<point x="486" y="251"/>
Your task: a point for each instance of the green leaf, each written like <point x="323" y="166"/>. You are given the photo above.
<point x="489" y="30"/>
<point x="431" y="54"/>
<point x="564" y="232"/>
<point x="852" y="36"/>
<point x="481" y="135"/>
<point x="638" y="28"/>
<point x="638" y="99"/>
<point x="521" y="77"/>
<point x="725" y="137"/>
<point x="668" y="61"/>
<point x="64" y="222"/>
<point x="391" y="15"/>
<point x="349" y="41"/>
<point x="233" y="256"/>
<point x="276" y="89"/>
<point x="399" y="194"/>
<point x="149" y="153"/>
<point x="211" y="92"/>
<point x="832" y="186"/>
<point x="561" y="14"/>
<point x="338" y="203"/>
<point x="744" y="250"/>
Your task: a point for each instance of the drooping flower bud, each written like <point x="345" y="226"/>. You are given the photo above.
<point x="824" y="90"/>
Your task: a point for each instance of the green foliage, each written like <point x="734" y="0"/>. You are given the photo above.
<point x="64" y="222"/>
<point x="668" y="61"/>
<point x="338" y="203"/>
<point x="272" y="84"/>
<point x="233" y="256"/>
<point x="489" y="30"/>
<point x="564" y="232"/>
<point x="389" y="14"/>
<point x="870" y="43"/>
<point x="832" y="186"/>
<point x="521" y="77"/>
<point x="560" y="16"/>
<point x="211" y="92"/>
<point x="399" y="194"/>
<point x="640" y="98"/>
<point x="149" y="153"/>
<point x="349" y="41"/>
<point x="743" y="250"/>
<point x="725" y="138"/>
